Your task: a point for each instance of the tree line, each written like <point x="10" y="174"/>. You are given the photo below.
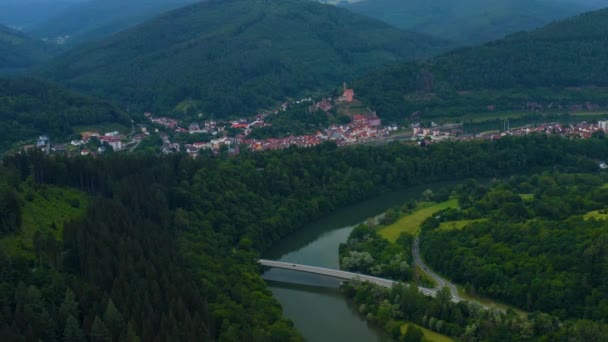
<point x="170" y="242"/>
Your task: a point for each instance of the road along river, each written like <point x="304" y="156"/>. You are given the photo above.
<point x="314" y="303"/>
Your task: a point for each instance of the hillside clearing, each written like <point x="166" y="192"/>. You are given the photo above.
<point x="411" y="223"/>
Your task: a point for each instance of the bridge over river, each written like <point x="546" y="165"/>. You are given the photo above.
<point x="343" y="275"/>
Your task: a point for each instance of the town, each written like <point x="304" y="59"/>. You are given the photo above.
<point x="232" y="136"/>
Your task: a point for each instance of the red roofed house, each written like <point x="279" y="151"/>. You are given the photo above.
<point x="359" y="119"/>
<point x="115" y="142"/>
<point x="240" y="125"/>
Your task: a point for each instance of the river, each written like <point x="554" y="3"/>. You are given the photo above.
<point x="314" y="303"/>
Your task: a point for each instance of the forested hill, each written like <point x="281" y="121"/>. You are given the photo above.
<point x="234" y="57"/>
<point x="94" y="19"/>
<point x="18" y="51"/>
<point x="163" y="248"/>
<point x="29" y="108"/>
<point x="562" y="55"/>
<point x="468" y="21"/>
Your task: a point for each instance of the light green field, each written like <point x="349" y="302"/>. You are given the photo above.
<point x="429" y="335"/>
<point x="48" y="206"/>
<point x="411" y="223"/>
<point x="458" y="225"/>
<point x="527" y="197"/>
<point x="596" y="214"/>
<point x="604" y="187"/>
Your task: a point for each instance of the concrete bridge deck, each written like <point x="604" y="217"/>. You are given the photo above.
<point x="338" y="274"/>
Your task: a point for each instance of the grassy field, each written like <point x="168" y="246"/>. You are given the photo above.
<point x="411" y="223"/>
<point x="41" y="209"/>
<point x="428" y="334"/>
<point x="596" y="214"/>
<point x="457" y="225"/>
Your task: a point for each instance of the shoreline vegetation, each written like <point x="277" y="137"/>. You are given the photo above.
<point x="183" y="234"/>
<point x="469" y="208"/>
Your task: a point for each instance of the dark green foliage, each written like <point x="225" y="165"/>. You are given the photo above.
<point x="29" y="108"/>
<point x="10" y="210"/>
<point x="413" y="334"/>
<point x="297" y="120"/>
<point x="99" y="332"/>
<point x="92" y="20"/>
<point x="18" y="51"/>
<point x="72" y="331"/>
<point x="537" y="254"/>
<point x="167" y="247"/>
<point x="114" y="321"/>
<point x="234" y="57"/>
<point x="468" y="21"/>
<point x="368" y="253"/>
<point x="541" y="68"/>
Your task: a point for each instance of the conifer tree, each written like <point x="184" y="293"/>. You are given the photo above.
<point x="113" y="320"/>
<point x="99" y="332"/>
<point x="72" y="331"/>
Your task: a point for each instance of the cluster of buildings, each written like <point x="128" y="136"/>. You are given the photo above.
<point x="583" y="130"/>
<point x="362" y="129"/>
<point x="436" y="132"/>
<point x="83" y="146"/>
<point x="215" y="146"/>
<point x="113" y="139"/>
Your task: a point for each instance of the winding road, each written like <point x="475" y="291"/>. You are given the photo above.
<point x="439" y="280"/>
<point x="343" y="275"/>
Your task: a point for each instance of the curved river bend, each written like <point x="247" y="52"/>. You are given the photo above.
<point x="314" y="303"/>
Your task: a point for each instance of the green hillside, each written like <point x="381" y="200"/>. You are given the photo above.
<point x="91" y="20"/>
<point x="17" y="51"/>
<point x="468" y="21"/>
<point x="29" y="108"/>
<point x="559" y="66"/>
<point x="234" y="57"/>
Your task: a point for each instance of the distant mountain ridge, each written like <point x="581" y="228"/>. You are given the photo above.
<point x="560" y="64"/>
<point x="234" y="57"/>
<point x="27" y="13"/>
<point x="95" y="19"/>
<point x="470" y="21"/>
<point x="18" y="51"/>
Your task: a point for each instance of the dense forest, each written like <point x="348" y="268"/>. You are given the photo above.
<point x="368" y="253"/>
<point x="18" y="51"/>
<point x="234" y="57"/>
<point x="536" y="242"/>
<point x="193" y="228"/>
<point x="555" y="67"/>
<point x="29" y="108"/>
<point x="85" y="21"/>
<point x="469" y="21"/>
<point x="464" y="321"/>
